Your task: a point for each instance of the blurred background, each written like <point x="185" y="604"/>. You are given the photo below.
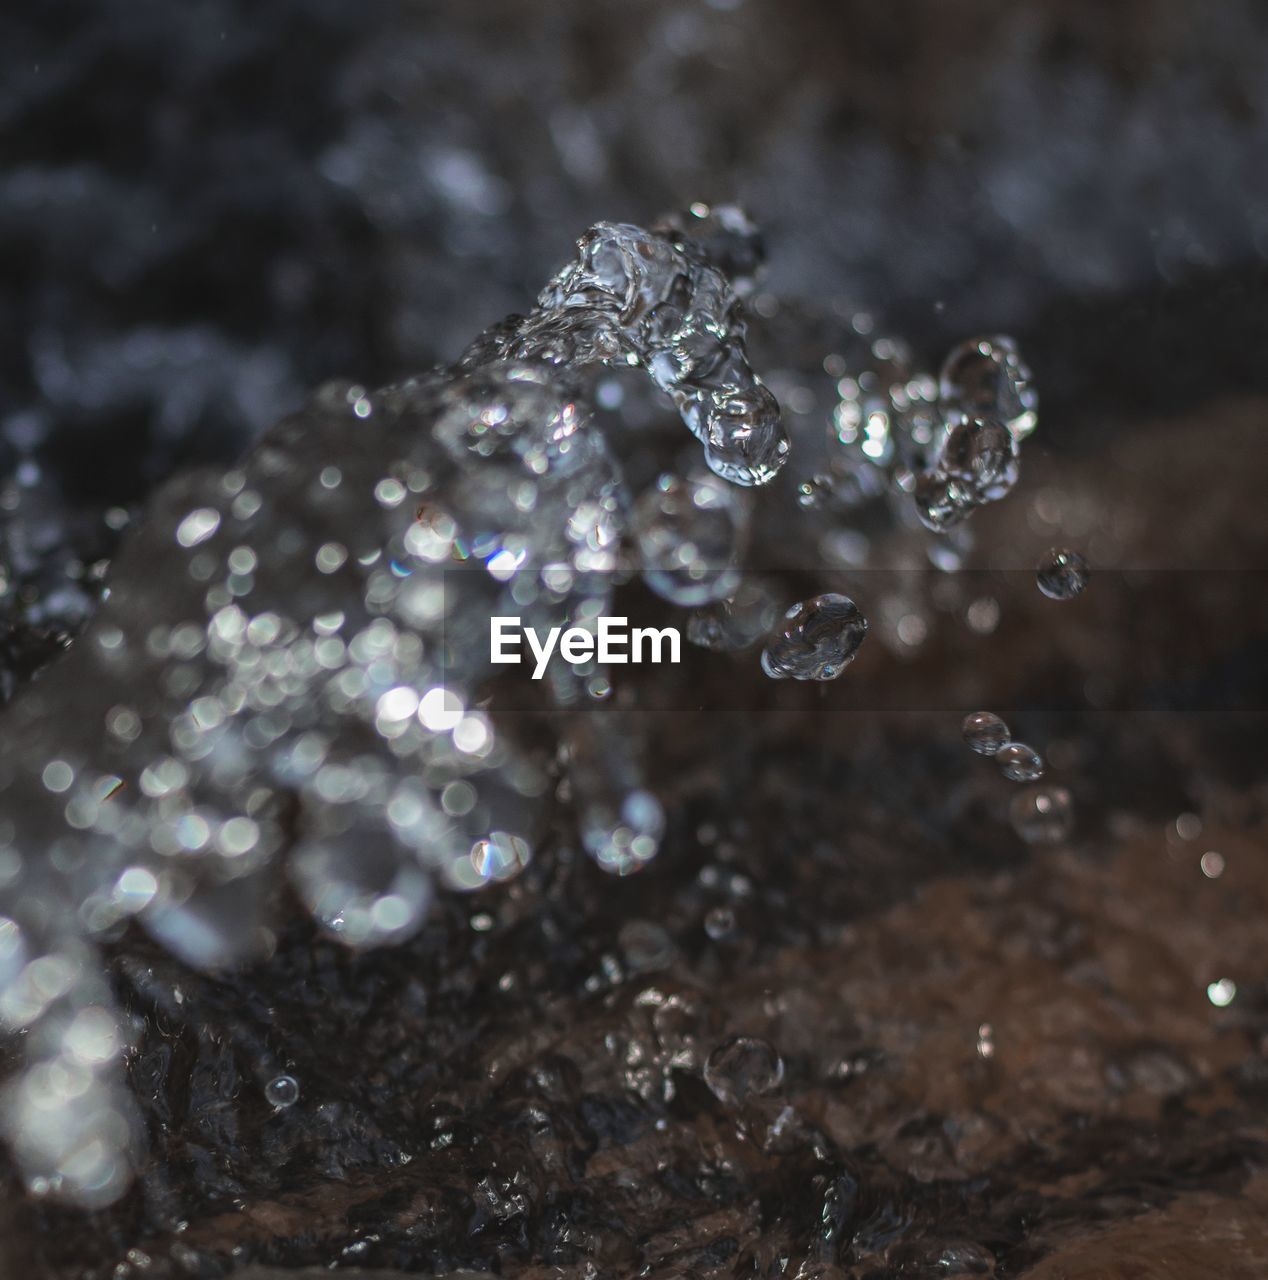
<point x="207" y="208"/>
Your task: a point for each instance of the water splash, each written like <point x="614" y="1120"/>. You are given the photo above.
<point x="282" y="680"/>
<point x="633" y="298"/>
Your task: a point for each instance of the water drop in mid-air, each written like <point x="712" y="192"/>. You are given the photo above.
<point x="985" y="732"/>
<point x="987" y="378"/>
<point x="1019" y="763"/>
<point x="689" y="533"/>
<point x="1062" y="574"/>
<point x="819" y="639"/>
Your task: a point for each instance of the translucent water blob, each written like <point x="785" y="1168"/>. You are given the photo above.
<point x="1062" y="574"/>
<point x="818" y="640"/>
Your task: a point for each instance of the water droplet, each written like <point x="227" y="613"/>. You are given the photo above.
<point x="1062" y="574"/>
<point x="282" y="1091"/>
<point x="981" y="456"/>
<point x="987" y="378"/>
<point x="741" y="1068"/>
<point x="978" y="462"/>
<point x="198" y="526"/>
<point x="1042" y="815"/>
<point x="940" y="502"/>
<point x="819" y="639"/>
<point x="985" y="732"/>
<point x="1019" y="763"/>
<point x="744" y="440"/>
<point x="689" y="533"/>
<point x="1222" y="993"/>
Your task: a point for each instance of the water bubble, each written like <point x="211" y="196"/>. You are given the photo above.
<point x="689" y="533"/>
<point x="741" y="1068"/>
<point x="985" y="732"/>
<point x="818" y="641"/>
<point x="282" y="1091"/>
<point x="1019" y="763"/>
<point x="987" y="378"/>
<point x="719" y="923"/>
<point x="1062" y="574"/>
<point x="1042" y="815"/>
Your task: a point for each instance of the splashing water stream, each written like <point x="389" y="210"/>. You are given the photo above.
<point x="285" y="678"/>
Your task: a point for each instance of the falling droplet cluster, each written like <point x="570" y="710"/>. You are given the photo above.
<point x="949" y="442"/>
